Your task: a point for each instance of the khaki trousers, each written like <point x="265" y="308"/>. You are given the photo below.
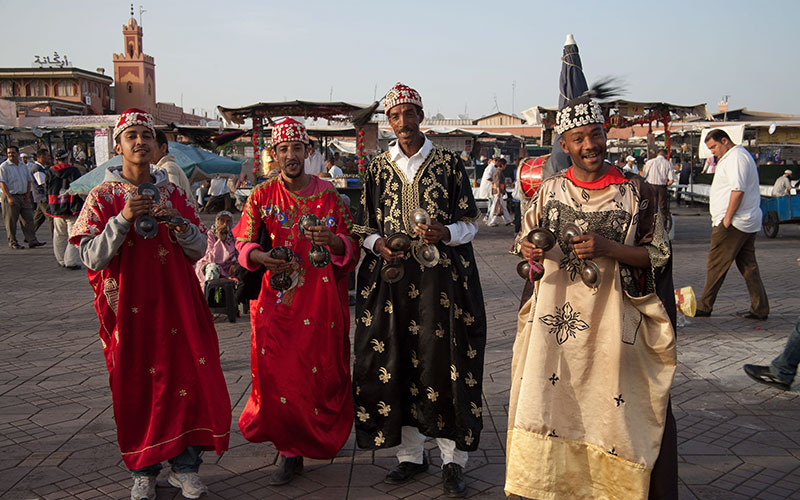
<point x="21" y="210"/>
<point x="728" y="246"/>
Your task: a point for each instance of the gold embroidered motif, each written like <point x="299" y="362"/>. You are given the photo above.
<point x="476" y="410"/>
<point x="414" y="411"/>
<point x="468" y="438"/>
<point x="367" y="319"/>
<point x="174" y="331"/>
<point x="162" y="254"/>
<point x="388" y="307"/>
<point x="462" y="202"/>
<point x="464" y="262"/>
<point x="362" y="414"/>
<point x="324" y="279"/>
<point x="440" y="422"/>
<point x="384" y="409"/>
<point x="456" y="312"/>
<point x="432" y="395"/>
<point x="444" y="300"/>
<point x="471" y="353"/>
<point x="384" y="376"/>
<point x="368" y="289"/>
<point x="440" y="331"/>
<point x="111" y="291"/>
<point x="453" y="373"/>
<point x="134" y="310"/>
<point x="468" y="319"/>
<point x="306" y="322"/>
<point x="470" y="380"/>
<point x="414" y="360"/>
<point x="379" y="439"/>
<point x="152" y="370"/>
<point x="414" y="390"/>
<point x="283" y="400"/>
<point x="412" y="291"/>
<point x="377" y="345"/>
<point x="202" y="361"/>
<point x="413" y="328"/>
<point x="182" y="392"/>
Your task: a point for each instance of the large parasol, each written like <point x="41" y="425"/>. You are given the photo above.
<point x="571" y="84"/>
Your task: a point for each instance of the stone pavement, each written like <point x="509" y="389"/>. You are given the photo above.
<point x="737" y="439"/>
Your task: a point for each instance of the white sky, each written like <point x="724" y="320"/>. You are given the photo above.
<point x="458" y="54"/>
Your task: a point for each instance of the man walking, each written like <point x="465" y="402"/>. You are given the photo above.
<point x="421" y="324"/>
<point x="658" y="172"/>
<point x="734" y="203"/>
<point x="169" y="395"/>
<point x="38" y="170"/>
<point x="301" y="397"/>
<point x="15" y="183"/>
<point x="163" y="159"/>
<point x="63" y="209"/>
<point x="597" y="342"/>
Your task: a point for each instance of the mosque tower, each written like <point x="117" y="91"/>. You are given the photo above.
<point x="134" y="72"/>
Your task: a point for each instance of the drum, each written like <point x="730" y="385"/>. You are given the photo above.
<point x="529" y="174"/>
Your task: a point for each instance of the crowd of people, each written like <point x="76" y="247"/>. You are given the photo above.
<point x="594" y="356"/>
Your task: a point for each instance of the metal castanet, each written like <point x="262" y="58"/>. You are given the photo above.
<point x="392" y="272"/>
<point x="542" y="238"/>
<point x="590" y="272"/>
<point x="319" y="256"/>
<point x="146" y="225"/>
<point x="425" y="254"/>
<point x="281" y="281"/>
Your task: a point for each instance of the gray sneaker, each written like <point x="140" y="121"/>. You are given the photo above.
<point x="144" y="488"/>
<point x="190" y="484"/>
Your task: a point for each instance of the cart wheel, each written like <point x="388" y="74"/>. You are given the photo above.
<point x="770" y="224"/>
<point x="668" y="222"/>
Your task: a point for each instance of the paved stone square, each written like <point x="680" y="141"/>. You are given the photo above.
<point x="737" y="439"/>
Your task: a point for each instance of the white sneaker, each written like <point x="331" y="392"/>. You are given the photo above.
<point x="190" y="484"/>
<point x="144" y="488"/>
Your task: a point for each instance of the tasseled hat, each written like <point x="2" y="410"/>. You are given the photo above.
<point x="288" y="130"/>
<point x="131" y="117"/>
<point x="585" y="109"/>
<point x="401" y="94"/>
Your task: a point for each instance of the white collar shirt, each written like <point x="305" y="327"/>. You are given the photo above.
<point x="736" y="171"/>
<point x="15" y="176"/>
<point x="410" y="165"/>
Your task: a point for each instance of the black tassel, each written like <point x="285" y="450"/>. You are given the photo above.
<point x="606" y="88"/>
<point x="363" y="116"/>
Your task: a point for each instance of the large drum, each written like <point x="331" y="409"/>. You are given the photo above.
<point x="529" y="174"/>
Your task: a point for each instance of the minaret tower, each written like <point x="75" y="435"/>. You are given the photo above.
<point x="134" y="72"/>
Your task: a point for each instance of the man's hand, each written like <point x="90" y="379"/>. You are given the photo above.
<point x="272" y="265"/>
<point x="433" y="233"/>
<point x="726" y="222"/>
<point x="323" y="236"/>
<point x="591" y="245"/>
<point x="136" y="206"/>
<point x="164" y="211"/>
<point x="382" y="250"/>
<point x="530" y="251"/>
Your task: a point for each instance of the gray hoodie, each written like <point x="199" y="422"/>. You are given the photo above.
<point x="97" y="251"/>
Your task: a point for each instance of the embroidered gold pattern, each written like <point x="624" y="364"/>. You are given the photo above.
<point x="453" y="373"/>
<point x="162" y="254"/>
<point x="413" y="328"/>
<point x="368" y="289"/>
<point x="440" y="331"/>
<point x="384" y="376"/>
<point x="476" y="410"/>
<point x="388" y="307"/>
<point x="440" y="422"/>
<point x="432" y="395"/>
<point x="111" y="291"/>
<point x="468" y="318"/>
<point x="468" y="439"/>
<point x="471" y="353"/>
<point x="412" y="291"/>
<point x="362" y="414"/>
<point x="202" y="361"/>
<point x="152" y="370"/>
<point x="377" y="345"/>
<point x="182" y="392"/>
<point x="444" y="300"/>
<point x="283" y="400"/>
<point x="413" y="389"/>
<point x="470" y="380"/>
<point x="367" y="318"/>
<point x="379" y="439"/>
<point x="174" y="331"/>
<point x="134" y="310"/>
<point x="414" y="360"/>
<point x="384" y="409"/>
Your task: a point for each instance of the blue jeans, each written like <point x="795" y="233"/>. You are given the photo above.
<point x="785" y="365"/>
<point x="188" y="461"/>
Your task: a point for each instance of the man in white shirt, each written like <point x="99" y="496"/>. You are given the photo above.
<point x="783" y="185"/>
<point x="162" y="158"/>
<point x="333" y="169"/>
<point x="314" y="163"/>
<point x="218" y="193"/>
<point x="15" y="183"/>
<point x="485" y="190"/>
<point x="734" y="203"/>
<point x="630" y="165"/>
<point x="420" y="324"/>
<point x="659" y="173"/>
<point x="38" y="170"/>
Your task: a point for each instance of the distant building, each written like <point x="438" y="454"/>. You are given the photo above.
<point x="498" y="119"/>
<point x="57" y="91"/>
<point x="134" y="72"/>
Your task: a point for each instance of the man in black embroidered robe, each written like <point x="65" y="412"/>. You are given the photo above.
<point x="419" y="342"/>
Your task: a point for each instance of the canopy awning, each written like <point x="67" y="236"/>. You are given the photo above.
<point x="334" y="111"/>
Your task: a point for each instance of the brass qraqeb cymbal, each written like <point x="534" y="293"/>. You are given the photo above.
<point x="543" y="238"/>
<point x="590" y="274"/>
<point x="149" y="189"/>
<point x="146" y="226"/>
<point x="392" y="272"/>
<point x="307" y="221"/>
<point x="398" y="242"/>
<point x="427" y="255"/>
<point x="570" y="230"/>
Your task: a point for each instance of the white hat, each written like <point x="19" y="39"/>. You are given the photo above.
<point x="787" y="172"/>
<point x="630" y="158"/>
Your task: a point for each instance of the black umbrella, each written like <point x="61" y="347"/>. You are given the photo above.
<point x="571" y="84"/>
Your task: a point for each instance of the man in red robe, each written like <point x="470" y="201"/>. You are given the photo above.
<point x="169" y="395"/>
<point x="300" y="349"/>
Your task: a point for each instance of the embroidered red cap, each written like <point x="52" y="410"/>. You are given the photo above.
<point x="131" y="117"/>
<point x="288" y="130"/>
<point x="401" y="94"/>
